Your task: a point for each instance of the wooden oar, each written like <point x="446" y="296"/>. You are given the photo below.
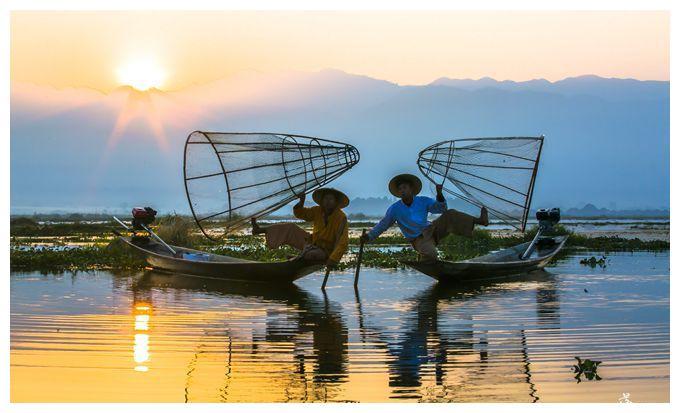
<point x="159" y="239"/>
<point x="361" y="254"/>
<point x="325" y="279"/>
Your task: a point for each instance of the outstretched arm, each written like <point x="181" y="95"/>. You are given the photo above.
<point x="381" y="226"/>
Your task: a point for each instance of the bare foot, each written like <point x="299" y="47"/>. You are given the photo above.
<point x="483" y="217"/>
<point x="256" y="227"/>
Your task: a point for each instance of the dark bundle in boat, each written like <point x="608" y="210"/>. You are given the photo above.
<point x="232" y="177"/>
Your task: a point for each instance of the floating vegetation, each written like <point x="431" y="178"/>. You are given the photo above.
<point x="609" y="244"/>
<point x="386" y="259"/>
<point x="115" y="255"/>
<point x="83" y="246"/>
<point x="23" y="222"/>
<point x="593" y="262"/>
<point x="456" y="247"/>
<point x="61" y="229"/>
<point x="586" y="368"/>
<point x="255" y="252"/>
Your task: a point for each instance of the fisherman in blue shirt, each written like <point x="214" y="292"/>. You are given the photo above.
<point x="410" y="213"/>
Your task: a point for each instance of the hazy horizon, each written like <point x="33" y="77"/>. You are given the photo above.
<point x="97" y="135"/>
<point x="102" y="102"/>
<point x="245" y="73"/>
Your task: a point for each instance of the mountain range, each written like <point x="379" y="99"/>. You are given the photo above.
<point x="589" y="85"/>
<point x="607" y="140"/>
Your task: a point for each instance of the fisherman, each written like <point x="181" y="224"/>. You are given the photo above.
<point x="410" y="213"/>
<point x="330" y="233"/>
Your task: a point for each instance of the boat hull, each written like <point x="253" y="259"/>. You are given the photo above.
<point x="499" y="264"/>
<point x="221" y="266"/>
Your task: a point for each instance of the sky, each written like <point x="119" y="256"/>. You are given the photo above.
<point x="80" y="140"/>
<point x="101" y="50"/>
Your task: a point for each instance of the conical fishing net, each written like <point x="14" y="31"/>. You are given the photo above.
<point x="498" y="173"/>
<point x="231" y="177"/>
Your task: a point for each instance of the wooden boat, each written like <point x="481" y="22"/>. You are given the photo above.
<point x="199" y="263"/>
<point x="498" y="264"/>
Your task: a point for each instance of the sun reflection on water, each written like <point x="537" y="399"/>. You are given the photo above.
<point x="142" y="316"/>
<point x="398" y="340"/>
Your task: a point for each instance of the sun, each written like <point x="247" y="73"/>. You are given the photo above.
<point x="142" y="74"/>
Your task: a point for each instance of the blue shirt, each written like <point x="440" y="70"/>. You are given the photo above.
<point x="412" y="220"/>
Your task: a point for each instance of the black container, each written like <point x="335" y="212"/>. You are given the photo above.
<point x="551" y="215"/>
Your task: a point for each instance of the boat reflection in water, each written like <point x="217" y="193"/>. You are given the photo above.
<point x="449" y="359"/>
<point x="298" y="347"/>
<point x="298" y="350"/>
<point x="156" y="337"/>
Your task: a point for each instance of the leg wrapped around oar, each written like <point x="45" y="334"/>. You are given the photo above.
<point x="290" y="234"/>
<point x="453" y="222"/>
<point x="286" y="234"/>
<point x="450" y="222"/>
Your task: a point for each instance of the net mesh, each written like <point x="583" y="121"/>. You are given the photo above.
<point x="497" y="173"/>
<point x="231" y="177"/>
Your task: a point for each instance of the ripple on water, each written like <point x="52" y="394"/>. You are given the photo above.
<point x="154" y="337"/>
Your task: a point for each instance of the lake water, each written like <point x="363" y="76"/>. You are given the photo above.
<point x="98" y="337"/>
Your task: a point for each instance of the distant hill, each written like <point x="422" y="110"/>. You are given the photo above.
<point x="592" y="211"/>
<point x="376" y="207"/>
<point x="589" y="85"/>
<point x="370" y="206"/>
<point x="607" y="140"/>
<point x="365" y="208"/>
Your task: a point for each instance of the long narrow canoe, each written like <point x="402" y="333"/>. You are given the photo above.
<point x="193" y="262"/>
<point x="498" y="264"/>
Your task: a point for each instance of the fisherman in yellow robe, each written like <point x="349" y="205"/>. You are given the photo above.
<point x="330" y="231"/>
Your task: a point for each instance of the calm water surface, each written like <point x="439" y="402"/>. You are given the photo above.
<point x="154" y="337"/>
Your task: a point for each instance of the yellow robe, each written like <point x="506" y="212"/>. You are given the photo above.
<point x="332" y="237"/>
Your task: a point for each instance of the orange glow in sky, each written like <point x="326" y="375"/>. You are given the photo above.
<point x="181" y="49"/>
